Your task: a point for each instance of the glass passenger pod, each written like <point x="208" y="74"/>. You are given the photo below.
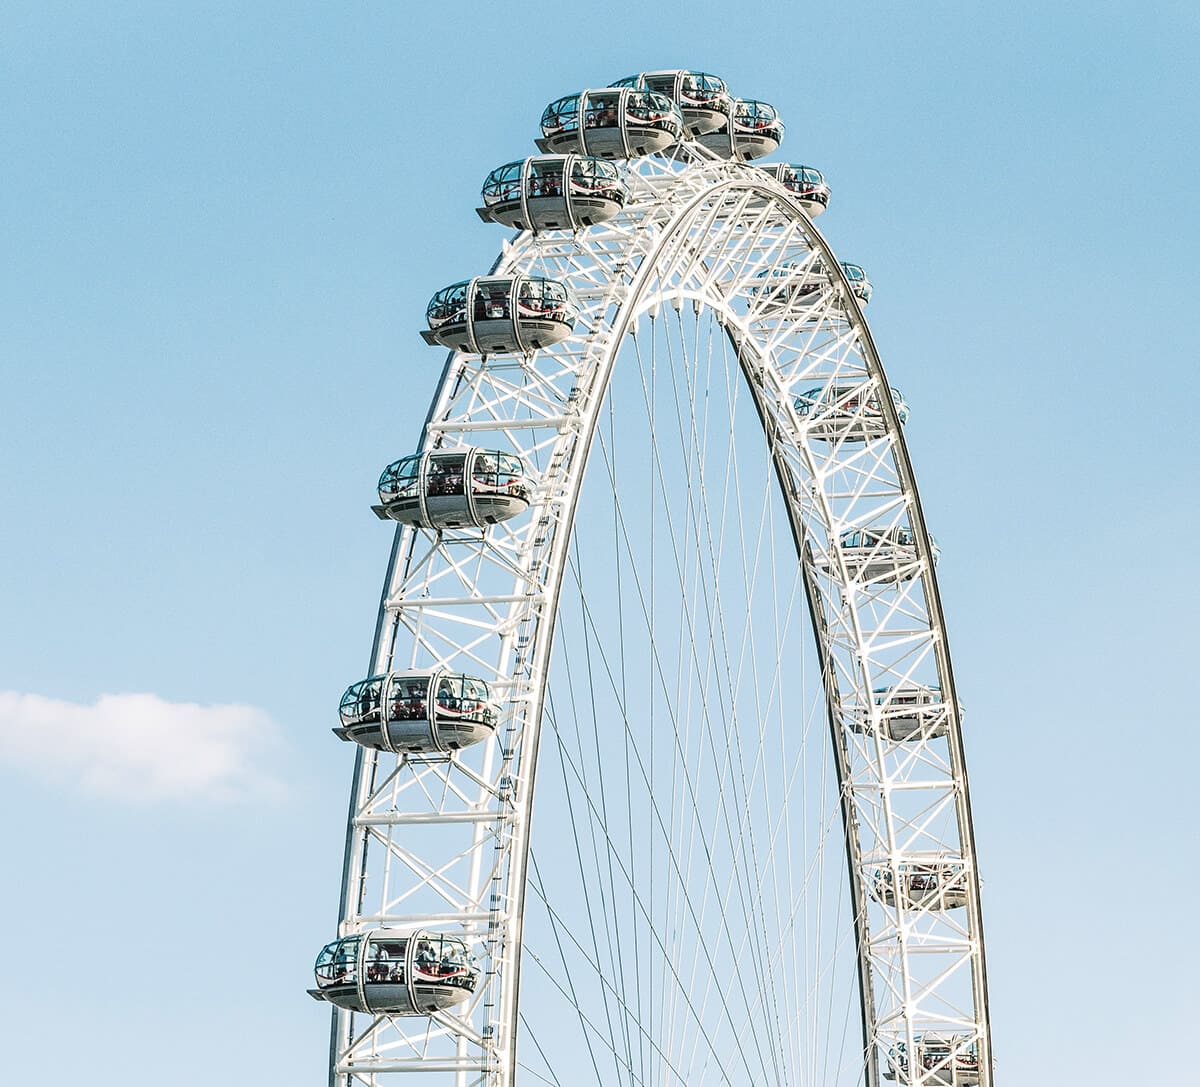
<point x="887" y="555"/>
<point x="806" y="183"/>
<point x="456" y="488"/>
<point x="788" y="283"/>
<point x="703" y="99"/>
<point x="924" y="885"/>
<point x="501" y="315"/>
<point x="907" y="711"/>
<point x="848" y="413"/>
<point x="417" y="712"/>
<point x="553" y="192"/>
<point x="750" y="130"/>
<point x="395" y="973"/>
<point x="859" y="283"/>
<point x="612" y="123"/>
<point x="948" y="1060"/>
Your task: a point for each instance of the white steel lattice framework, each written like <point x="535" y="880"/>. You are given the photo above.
<point x="443" y="842"/>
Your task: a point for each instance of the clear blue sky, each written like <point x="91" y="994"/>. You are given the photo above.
<point x="220" y="224"/>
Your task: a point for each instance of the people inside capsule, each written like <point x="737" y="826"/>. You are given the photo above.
<point x="750" y="130"/>
<point x="882" y="554"/>
<point x="456" y="488"/>
<point x="414" y="712"/>
<point x="906" y="711"/>
<point x="702" y="98"/>
<point x="395" y="973"/>
<point x="616" y="122"/>
<point x="553" y="192"/>
<point x="850" y="412"/>
<point x="806" y="183"/>
<point x="786" y="283"/>
<point x="939" y="884"/>
<point x="500" y="314"/>
<point x="947" y="1058"/>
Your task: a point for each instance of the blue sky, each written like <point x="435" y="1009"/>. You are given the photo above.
<point x="220" y="228"/>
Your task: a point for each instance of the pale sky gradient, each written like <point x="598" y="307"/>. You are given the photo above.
<point x="220" y="226"/>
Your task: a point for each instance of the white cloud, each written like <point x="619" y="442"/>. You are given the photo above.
<point x="140" y="747"/>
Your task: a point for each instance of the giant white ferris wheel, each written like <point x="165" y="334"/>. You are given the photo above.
<point x="661" y="566"/>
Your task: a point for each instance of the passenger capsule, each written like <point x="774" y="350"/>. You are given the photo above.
<point x="948" y="1060"/>
<point x="553" y="192"/>
<point x="806" y="183"/>
<point x="906" y="711"/>
<point x="750" y="130"/>
<point x="703" y="99"/>
<point x="454" y="488"/>
<point x="800" y="282"/>
<point x="501" y="315"/>
<point x="395" y="973"/>
<point x="847" y="413"/>
<point x="887" y="555"/>
<point x="613" y="123"/>
<point x="860" y="285"/>
<point x="415" y="712"/>
<point x="924" y="885"/>
<point x="804" y="282"/>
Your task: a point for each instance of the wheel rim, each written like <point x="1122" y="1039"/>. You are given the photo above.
<point x="446" y="842"/>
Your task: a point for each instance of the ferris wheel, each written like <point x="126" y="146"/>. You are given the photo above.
<point x="660" y="554"/>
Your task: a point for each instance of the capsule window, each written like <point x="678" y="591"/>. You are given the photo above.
<point x="474" y="690"/>
<point x="503" y="184"/>
<point x="385" y="961"/>
<point x="752" y="115"/>
<point x="663" y="83"/>
<point x="646" y="108"/>
<point x="337" y="964"/>
<point x="361" y="702"/>
<point x="561" y="116"/>
<point x="408" y="700"/>
<point x="594" y="176"/>
<point x="400" y="480"/>
<point x="541" y="298"/>
<point x="446" y="475"/>
<point x="546" y="178"/>
<point x="448" y="306"/>
<point x="439" y="956"/>
<point x="602" y="110"/>
<point x="491" y="301"/>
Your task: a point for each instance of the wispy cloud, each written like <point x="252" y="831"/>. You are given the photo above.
<point x="139" y="747"/>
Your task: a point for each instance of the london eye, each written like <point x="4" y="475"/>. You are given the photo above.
<point x="659" y="774"/>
